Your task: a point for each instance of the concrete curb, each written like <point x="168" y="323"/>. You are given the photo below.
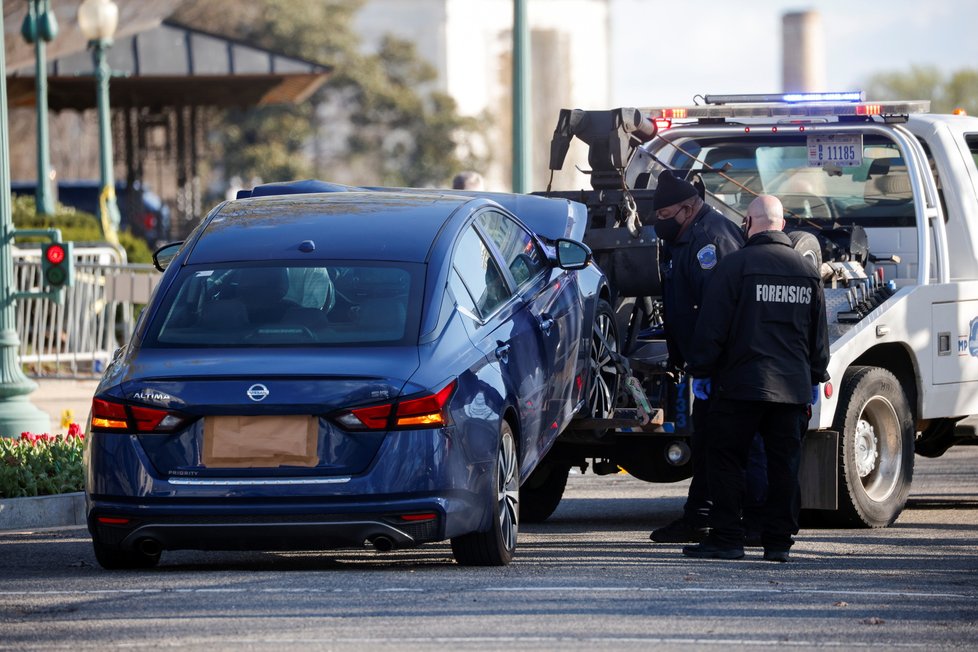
<point x="42" y="511"/>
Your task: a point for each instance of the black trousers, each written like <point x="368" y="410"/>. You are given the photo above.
<point x="732" y="425"/>
<point x="696" y="511"/>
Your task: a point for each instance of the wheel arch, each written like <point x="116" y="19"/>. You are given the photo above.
<point x="899" y="360"/>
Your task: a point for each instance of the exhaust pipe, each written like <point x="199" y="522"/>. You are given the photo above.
<point x="382" y="543"/>
<point x="149" y="547"/>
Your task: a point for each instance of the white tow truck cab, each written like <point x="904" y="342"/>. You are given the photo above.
<point x="881" y="196"/>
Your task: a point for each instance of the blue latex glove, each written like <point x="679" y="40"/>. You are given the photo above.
<point x="701" y="388"/>
<point x="814" y="394"/>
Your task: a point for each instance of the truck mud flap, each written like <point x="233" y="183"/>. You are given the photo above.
<point x="819" y="470"/>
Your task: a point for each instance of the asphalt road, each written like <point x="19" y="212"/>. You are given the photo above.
<point x="587" y="579"/>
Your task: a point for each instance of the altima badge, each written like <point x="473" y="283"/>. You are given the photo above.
<point x="257" y="392"/>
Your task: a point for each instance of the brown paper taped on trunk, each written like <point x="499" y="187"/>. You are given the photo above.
<point x="241" y="442"/>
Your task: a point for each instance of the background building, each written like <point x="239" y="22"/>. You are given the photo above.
<point x="470" y="42"/>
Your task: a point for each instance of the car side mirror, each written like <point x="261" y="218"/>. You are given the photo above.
<point x="572" y="254"/>
<point x="165" y="254"/>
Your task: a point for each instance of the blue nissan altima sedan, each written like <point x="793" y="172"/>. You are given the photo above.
<point x="322" y="370"/>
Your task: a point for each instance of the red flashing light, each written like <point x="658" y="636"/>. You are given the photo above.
<point x="55" y="254"/>
<point x="774" y="130"/>
<point x="869" y="109"/>
<point x="661" y="124"/>
<point x="674" y="114"/>
<point x="746" y="130"/>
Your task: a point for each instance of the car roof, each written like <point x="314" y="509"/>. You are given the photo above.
<point x="342" y="225"/>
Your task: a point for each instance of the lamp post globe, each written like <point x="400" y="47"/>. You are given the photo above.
<point x="97" y="20"/>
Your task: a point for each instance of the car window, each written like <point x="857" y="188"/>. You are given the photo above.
<point x="517" y="247"/>
<point x="478" y="270"/>
<point x="338" y="303"/>
<point x="461" y="293"/>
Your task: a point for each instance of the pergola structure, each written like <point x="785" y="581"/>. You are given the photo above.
<point x="165" y="76"/>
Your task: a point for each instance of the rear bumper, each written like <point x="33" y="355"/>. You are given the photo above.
<point x="399" y="524"/>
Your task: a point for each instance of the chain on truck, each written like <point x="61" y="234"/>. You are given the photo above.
<point x="878" y="195"/>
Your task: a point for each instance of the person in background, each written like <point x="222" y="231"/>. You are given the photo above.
<point x="760" y="351"/>
<point x="696" y="238"/>
<point x="468" y="180"/>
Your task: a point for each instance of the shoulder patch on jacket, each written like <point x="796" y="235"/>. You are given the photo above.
<point x="707" y="256"/>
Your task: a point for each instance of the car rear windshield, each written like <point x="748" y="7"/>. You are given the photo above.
<point x="344" y="303"/>
<point x="874" y="190"/>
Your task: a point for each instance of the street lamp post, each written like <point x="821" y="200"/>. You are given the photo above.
<point x="17" y="413"/>
<point x="97" y="20"/>
<point x="521" y="98"/>
<point x="39" y="27"/>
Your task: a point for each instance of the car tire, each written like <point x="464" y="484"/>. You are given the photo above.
<point x="496" y="546"/>
<point x="603" y="377"/>
<point x="877" y="451"/>
<point x="542" y="491"/>
<point x="115" y="558"/>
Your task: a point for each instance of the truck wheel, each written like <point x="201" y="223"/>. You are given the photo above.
<point x="807" y="245"/>
<point x="542" y="491"/>
<point x="602" y="394"/>
<point x="495" y="547"/>
<point x="876" y="465"/>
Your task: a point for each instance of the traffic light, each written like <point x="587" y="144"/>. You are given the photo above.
<point x="57" y="265"/>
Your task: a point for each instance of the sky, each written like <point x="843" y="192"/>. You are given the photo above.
<point x="667" y="52"/>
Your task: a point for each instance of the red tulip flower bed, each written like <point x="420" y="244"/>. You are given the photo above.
<point x="39" y="465"/>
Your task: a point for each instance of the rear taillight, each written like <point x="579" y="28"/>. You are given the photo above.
<point x="110" y="416"/>
<point x="427" y="411"/>
<point x="149" y="221"/>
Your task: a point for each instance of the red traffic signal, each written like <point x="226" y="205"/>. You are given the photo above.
<point x="54" y="254"/>
<point x="57" y="265"/>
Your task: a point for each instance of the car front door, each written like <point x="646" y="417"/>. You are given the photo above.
<point x="553" y="317"/>
<point x="509" y="335"/>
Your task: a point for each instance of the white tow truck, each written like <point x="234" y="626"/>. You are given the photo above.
<point x="881" y="196"/>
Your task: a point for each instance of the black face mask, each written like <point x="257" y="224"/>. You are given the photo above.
<point x="667" y="230"/>
<point x="746" y="227"/>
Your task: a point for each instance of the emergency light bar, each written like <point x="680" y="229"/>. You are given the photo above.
<point x="787" y="110"/>
<point x="845" y="96"/>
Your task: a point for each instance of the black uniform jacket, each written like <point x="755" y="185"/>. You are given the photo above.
<point x="689" y="262"/>
<point x="762" y="333"/>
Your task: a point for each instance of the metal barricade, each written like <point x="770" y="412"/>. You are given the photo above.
<point x="77" y="337"/>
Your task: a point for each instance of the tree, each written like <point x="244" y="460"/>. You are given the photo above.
<point x="959" y="90"/>
<point x="376" y="121"/>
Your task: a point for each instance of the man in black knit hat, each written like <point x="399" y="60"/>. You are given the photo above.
<point x="696" y="238"/>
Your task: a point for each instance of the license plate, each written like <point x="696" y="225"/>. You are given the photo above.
<point x="838" y="150"/>
<point x="260" y="442"/>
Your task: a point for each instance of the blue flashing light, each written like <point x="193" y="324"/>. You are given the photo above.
<point x="846" y="96"/>
<point x="792" y="98"/>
